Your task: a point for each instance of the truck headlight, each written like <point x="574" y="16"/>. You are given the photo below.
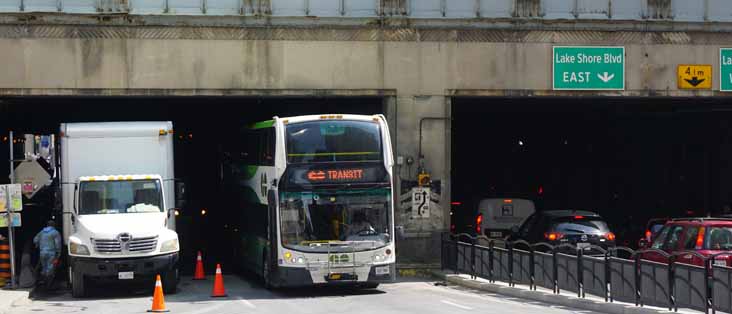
<point x="78" y="249"/>
<point x="169" y="246"/>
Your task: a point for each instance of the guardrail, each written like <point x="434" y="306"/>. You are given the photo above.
<point x="634" y="10"/>
<point x="615" y="273"/>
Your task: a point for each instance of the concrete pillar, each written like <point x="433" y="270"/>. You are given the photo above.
<point x="421" y="236"/>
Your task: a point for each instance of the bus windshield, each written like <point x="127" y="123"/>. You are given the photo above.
<point x="333" y="140"/>
<point x="119" y="197"/>
<point x="311" y="220"/>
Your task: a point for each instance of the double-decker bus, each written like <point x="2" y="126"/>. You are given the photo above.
<point x="314" y="200"/>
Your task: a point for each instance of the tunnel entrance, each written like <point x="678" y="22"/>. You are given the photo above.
<point x="202" y="125"/>
<point x="628" y="159"/>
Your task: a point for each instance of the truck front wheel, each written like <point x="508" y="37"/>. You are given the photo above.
<point x="170" y="281"/>
<point x="77" y="283"/>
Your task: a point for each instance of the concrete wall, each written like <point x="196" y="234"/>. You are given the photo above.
<point x="421" y="76"/>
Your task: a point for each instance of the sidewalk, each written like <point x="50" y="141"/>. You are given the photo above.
<point x="565" y="298"/>
<point x="10" y="298"/>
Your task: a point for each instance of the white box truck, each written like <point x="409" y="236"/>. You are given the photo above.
<point x="118" y="194"/>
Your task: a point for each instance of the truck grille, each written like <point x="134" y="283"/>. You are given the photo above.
<point x="134" y="245"/>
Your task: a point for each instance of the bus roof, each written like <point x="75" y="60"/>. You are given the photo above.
<point x="318" y="117"/>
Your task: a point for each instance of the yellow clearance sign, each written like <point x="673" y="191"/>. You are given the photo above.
<point x="694" y="76"/>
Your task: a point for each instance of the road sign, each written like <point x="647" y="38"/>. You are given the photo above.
<point x="694" y="76"/>
<point x="421" y="202"/>
<point x="588" y="68"/>
<point x="725" y="69"/>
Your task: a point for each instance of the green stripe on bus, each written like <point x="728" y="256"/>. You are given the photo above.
<point x="333" y="154"/>
<point x="262" y="124"/>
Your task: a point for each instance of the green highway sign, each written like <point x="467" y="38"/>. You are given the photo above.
<point x="725" y="69"/>
<point x="588" y="68"/>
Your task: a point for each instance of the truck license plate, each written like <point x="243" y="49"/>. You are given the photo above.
<point x="384" y="270"/>
<point x="126" y="275"/>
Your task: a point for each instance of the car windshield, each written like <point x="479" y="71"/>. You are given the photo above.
<point x="333" y="140"/>
<point x="719" y="238"/>
<point x="590" y="225"/>
<point x="119" y="197"/>
<point x="320" y="221"/>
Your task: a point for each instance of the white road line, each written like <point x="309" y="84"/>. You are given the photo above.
<point x="457" y="305"/>
<point x="247" y="303"/>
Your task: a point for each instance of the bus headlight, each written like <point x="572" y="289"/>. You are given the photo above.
<point x="169" y="246"/>
<point x="378" y="258"/>
<point x="300" y="260"/>
<point x="78" y="249"/>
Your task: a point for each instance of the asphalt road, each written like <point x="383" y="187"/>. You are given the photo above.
<point x="246" y="296"/>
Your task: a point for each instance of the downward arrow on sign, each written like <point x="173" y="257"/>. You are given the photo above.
<point x="605" y="77"/>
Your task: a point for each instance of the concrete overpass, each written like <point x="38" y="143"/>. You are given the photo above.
<point x="417" y="55"/>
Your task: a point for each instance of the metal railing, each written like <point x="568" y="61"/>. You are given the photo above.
<point x="614" y="273"/>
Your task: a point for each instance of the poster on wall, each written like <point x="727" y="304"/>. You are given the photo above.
<point x="15" y="194"/>
<point x="15" y="218"/>
<point x="3" y="199"/>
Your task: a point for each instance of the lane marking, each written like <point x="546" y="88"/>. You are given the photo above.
<point x="247" y="303"/>
<point x="457" y="305"/>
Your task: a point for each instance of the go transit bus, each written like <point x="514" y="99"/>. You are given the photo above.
<point x="314" y="197"/>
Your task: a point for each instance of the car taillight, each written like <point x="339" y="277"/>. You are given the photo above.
<point x="478" y="223"/>
<point x="648" y="235"/>
<point x="610" y="236"/>
<point x="553" y="236"/>
<point x="700" y="238"/>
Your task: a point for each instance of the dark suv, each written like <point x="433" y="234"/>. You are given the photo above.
<point x="577" y="228"/>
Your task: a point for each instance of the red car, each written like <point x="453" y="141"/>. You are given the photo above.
<point x="707" y="236"/>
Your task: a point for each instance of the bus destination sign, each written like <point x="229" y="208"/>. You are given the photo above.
<point x="336" y="175"/>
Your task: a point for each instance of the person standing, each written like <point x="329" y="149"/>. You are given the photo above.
<point x="48" y="242"/>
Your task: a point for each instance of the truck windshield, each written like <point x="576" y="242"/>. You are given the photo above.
<point x="119" y="197"/>
<point x="313" y="220"/>
<point x="333" y="140"/>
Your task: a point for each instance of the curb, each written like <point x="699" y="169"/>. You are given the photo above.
<point x="550" y="298"/>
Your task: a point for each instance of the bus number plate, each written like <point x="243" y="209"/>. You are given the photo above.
<point x="384" y="270"/>
<point x="126" y="275"/>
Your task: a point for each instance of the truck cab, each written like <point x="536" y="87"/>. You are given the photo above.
<point x="121" y="232"/>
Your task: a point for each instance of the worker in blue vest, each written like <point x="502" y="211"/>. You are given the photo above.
<point x="48" y="242"/>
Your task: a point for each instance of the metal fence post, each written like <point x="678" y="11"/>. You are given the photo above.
<point x="472" y="258"/>
<point x="491" y="244"/>
<point x="532" y="271"/>
<point x="671" y="292"/>
<point x="580" y="274"/>
<point x="637" y="273"/>
<point x="707" y="273"/>
<point x="510" y="263"/>
<point x="555" y="270"/>
<point x="608" y="281"/>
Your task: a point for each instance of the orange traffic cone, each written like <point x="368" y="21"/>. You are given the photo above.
<point x="199" y="274"/>
<point x="158" y="305"/>
<point x="218" y="289"/>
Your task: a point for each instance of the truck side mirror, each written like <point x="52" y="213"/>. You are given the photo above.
<point x="76" y="190"/>
<point x="180" y="194"/>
